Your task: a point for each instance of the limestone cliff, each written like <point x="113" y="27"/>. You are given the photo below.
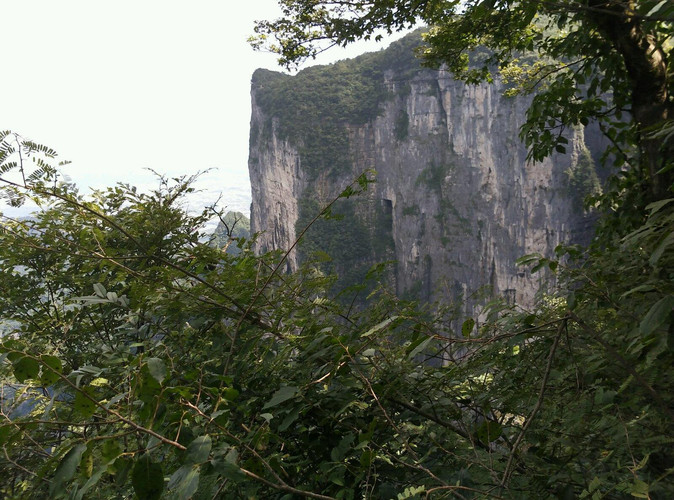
<point x="455" y="202"/>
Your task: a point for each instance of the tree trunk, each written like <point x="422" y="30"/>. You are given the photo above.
<point x="646" y="65"/>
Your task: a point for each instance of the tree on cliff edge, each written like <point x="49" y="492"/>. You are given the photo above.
<point x="598" y="60"/>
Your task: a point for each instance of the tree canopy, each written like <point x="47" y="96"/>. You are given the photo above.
<point x="604" y="60"/>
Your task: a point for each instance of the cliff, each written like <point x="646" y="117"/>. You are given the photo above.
<point x="455" y="202"/>
<point x="233" y="226"/>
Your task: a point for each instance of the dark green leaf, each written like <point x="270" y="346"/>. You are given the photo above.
<point x="283" y="394"/>
<point x="110" y="450"/>
<point x="5" y="430"/>
<point x="657" y="315"/>
<point x="289" y="419"/>
<point x="230" y="394"/>
<point x="51" y="368"/>
<point x="228" y="470"/>
<point x="639" y="489"/>
<point x="367" y="457"/>
<point x="66" y="469"/>
<point x="664" y="244"/>
<point x="147" y="479"/>
<point x="467" y="327"/>
<point x="184" y="482"/>
<point x="83" y="404"/>
<point x="157" y="369"/>
<point x="91" y="482"/>
<point x="571" y="300"/>
<point x="149" y="386"/>
<point x="198" y="450"/>
<point x="489" y="431"/>
<point x="656" y="206"/>
<point x="25" y="368"/>
<point x="339" y="452"/>
<point x="420" y="347"/>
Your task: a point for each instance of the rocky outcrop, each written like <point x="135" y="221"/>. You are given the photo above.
<point x="455" y="202"/>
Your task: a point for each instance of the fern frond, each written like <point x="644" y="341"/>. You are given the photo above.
<point x="13" y="197"/>
<point x="6" y="167"/>
<point x="32" y="147"/>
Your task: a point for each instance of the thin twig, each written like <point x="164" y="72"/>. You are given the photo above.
<point x="274" y="272"/>
<point x="439" y="421"/>
<point x="282" y="485"/>
<point x="285" y="487"/>
<point x="537" y="406"/>
<point x="465" y="488"/>
<point x="21" y="467"/>
<point x="127" y="421"/>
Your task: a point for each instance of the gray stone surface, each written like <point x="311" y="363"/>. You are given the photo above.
<point x="465" y="202"/>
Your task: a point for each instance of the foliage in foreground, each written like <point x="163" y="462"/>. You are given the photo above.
<point x="142" y="361"/>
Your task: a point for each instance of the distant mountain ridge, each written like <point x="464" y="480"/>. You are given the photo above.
<point x="232" y="226"/>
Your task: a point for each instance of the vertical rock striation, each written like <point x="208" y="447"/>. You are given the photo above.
<point x="455" y="202"/>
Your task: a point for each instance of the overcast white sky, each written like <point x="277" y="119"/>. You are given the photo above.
<point x="116" y="87"/>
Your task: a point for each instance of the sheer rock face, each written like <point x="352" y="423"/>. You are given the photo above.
<point x="276" y="184"/>
<point x="451" y="171"/>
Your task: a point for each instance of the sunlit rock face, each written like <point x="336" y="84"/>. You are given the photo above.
<point x="275" y="171"/>
<point x="455" y="202"/>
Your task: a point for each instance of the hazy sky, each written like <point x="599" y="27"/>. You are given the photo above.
<point x="116" y="87"/>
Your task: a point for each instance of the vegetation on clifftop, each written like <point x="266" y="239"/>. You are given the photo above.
<point x="312" y="108"/>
